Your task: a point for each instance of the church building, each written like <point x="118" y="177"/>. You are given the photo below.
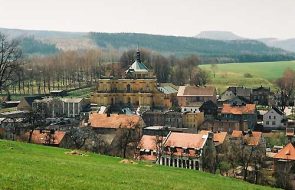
<point x="137" y="88"/>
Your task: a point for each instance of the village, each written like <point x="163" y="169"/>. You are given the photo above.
<point x="245" y="133"/>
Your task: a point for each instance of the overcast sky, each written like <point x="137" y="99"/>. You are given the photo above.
<point x="248" y="18"/>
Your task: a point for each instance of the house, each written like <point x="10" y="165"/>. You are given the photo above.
<point x="210" y="109"/>
<point x="49" y="107"/>
<point x="26" y="103"/>
<point x="274" y="119"/>
<point x="10" y="104"/>
<point x="192" y="120"/>
<point x="72" y="107"/>
<point x="167" y="118"/>
<point x="290" y="134"/>
<point x="240" y="91"/>
<point x="170" y="92"/>
<point x="149" y="147"/>
<point x="240" y="113"/>
<point x="61" y="107"/>
<point x="114" y="129"/>
<point x="109" y="123"/>
<point x="192" y="97"/>
<point x="235" y="96"/>
<point x="186" y="150"/>
<point x="249" y="138"/>
<point x="156" y="130"/>
<point x="218" y="138"/>
<point x="284" y="166"/>
<point x="50" y="138"/>
<point x="261" y="96"/>
<point x="13" y="128"/>
<point x="224" y="125"/>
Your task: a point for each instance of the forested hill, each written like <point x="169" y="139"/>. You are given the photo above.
<point x="227" y="51"/>
<point x="31" y="46"/>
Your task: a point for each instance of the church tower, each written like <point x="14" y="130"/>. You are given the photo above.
<point x="138" y="70"/>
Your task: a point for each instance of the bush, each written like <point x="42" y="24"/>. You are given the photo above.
<point x="248" y="75"/>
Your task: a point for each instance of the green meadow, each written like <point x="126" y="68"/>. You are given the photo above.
<point x="27" y="166"/>
<point x="262" y="73"/>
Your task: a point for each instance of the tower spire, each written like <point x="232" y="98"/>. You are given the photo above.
<point x="138" y="54"/>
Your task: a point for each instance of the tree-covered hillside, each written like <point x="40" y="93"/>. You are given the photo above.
<point x="237" y="50"/>
<point x="31" y="46"/>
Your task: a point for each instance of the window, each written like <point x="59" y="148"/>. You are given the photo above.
<point x="267" y="122"/>
<point x="269" y="117"/>
<point x="273" y="123"/>
<point x="274" y="117"/>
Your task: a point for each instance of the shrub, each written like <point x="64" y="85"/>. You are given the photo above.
<point x="248" y="75"/>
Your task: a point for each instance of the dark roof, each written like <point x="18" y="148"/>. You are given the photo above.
<point x="208" y="105"/>
<point x="238" y="100"/>
<point x="30" y="99"/>
<point x="278" y="110"/>
<point x="261" y="88"/>
<point x="240" y="91"/>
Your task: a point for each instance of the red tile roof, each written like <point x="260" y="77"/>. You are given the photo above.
<point x="287" y="153"/>
<point x="196" y="91"/>
<point x="237" y="134"/>
<point x="238" y="110"/>
<point x="97" y="120"/>
<point x="185" y="140"/>
<point x="252" y="139"/>
<point x="41" y="138"/>
<point x="218" y="138"/>
<point x="147" y="142"/>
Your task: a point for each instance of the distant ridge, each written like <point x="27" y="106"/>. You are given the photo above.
<point x="229" y="47"/>
<point x="219" y="35"/>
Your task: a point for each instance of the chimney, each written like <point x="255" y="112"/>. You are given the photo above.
<point x="210" y="135"/>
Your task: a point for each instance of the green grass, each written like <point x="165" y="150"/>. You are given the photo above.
<point x="27" y="166"/>
<point x="264" y="73"/>
<point x="81" y="93"/>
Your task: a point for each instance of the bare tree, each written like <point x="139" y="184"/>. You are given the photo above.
<point x="286" y="84"/>
<point x="10" y="59"/>
<point x="36" y="119"/>
<point x="201" y="77"/>
<point x="214" y="68"/>
<point x="79" y="135"/>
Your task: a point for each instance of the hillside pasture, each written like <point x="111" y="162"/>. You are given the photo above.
<point x="27" y="166"/>
<point x="262" y="73"/>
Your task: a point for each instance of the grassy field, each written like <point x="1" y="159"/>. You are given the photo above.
<point x="27" y="166"/>
<point x="263" y="73"/>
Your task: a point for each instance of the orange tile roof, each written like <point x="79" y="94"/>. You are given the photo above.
<point x="237" y="134"/>
<point x="185" y="140"/>
<point x="238" y="110"/>
<point x="218" y="138"/>
<point x="40" y="138"/>
<point x="196" y="91"/>
<point x="97" y="120"/>
<point x="287" y="153"/>
<point x="147" y="142"/>
<point x="251" y="139"/>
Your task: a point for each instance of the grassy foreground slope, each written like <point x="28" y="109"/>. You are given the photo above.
<point x="264" y="73"/>
<point x="27" y="166"/>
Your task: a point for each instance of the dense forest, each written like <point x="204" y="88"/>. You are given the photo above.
<point x="31" y="46"/>
<point x="209" y="50"/>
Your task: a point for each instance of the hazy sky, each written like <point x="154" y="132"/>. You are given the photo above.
<point x="248" y="18"/>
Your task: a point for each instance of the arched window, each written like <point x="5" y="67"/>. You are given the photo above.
<point x="128" y="88"/>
